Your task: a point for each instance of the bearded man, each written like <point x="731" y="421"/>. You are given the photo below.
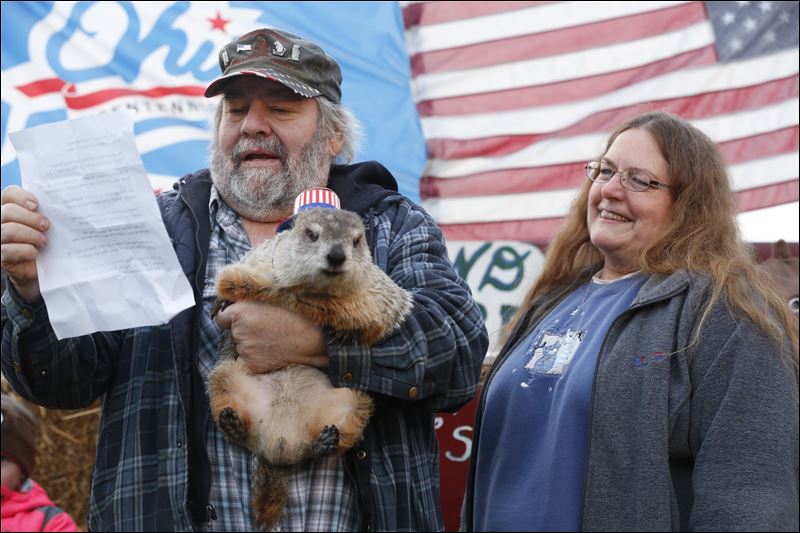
<point x="162" y="465"/>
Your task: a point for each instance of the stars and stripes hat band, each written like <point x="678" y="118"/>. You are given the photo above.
<point x="314" y="197"/>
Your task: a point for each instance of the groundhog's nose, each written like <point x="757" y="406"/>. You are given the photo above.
<point x="336" y="256"/>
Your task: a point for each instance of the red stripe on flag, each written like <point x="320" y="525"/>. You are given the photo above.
<point x="421" y="14"/>
<point x="511" y="181"/>
<point x="538" y="231"/>
<point x="96" y="98"/>
<point x="561" y="41"/>
<point x="768" y="196"/>
<point x="786" y="140"/>
<point x="40" y="87"/>
<point x="564" y="91"/>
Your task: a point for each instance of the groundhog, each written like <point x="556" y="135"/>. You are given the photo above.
<point x="322" y="269"/>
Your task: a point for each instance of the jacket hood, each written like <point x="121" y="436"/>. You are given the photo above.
<point x="362" y="185"/>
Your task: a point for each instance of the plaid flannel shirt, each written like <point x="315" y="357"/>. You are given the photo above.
<point x="141" y="476"/>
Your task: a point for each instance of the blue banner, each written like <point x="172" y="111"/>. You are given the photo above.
<point x="66" y="59"/>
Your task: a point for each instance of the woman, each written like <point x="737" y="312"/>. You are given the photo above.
<point x="649" y="379"/>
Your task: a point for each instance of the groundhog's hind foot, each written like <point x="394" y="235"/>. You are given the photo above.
<point x="326" y="442"/>
<point x="232" y="425"/>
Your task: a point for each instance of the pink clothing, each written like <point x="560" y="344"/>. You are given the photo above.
<point x="32" y="510"/>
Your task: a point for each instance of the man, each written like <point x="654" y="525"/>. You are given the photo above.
<point x="161" y="462"/>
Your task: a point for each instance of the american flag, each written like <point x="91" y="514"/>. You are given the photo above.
<point x="515" y="97"/>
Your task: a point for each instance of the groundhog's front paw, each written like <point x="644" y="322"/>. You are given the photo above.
<point x="232" y="425"/>
<point x="345" y="337"/>
<point x="371" y="335"/>
<point x="326" y="442"/>
<point x="236" y="283"/>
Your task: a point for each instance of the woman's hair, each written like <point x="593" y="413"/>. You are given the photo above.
<point x="334" y="119"/>
<point x="701" y="235"/>
<point x="19" y="431"/>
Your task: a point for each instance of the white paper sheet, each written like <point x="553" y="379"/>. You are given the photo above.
<point x="108" y="264"/>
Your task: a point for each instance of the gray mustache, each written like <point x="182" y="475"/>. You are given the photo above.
<point x="271" y="145"/>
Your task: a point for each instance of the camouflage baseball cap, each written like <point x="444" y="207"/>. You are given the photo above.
<point x="278" y="55"/>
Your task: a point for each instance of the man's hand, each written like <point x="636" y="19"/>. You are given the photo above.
<point x="268" y="337"/>
<point x="22" y="237"/>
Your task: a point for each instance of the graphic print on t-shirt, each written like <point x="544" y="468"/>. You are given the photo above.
<point x="553" y="351"/>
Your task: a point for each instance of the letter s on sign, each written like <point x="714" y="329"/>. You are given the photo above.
<point x="459" y="434"/>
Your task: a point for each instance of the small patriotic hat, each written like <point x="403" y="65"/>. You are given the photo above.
<point x="314" y="197"/>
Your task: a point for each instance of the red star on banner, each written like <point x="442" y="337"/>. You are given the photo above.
<point x="218" y="23"/>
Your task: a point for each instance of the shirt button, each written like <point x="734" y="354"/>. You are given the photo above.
<point x="17" y="368"/>
<point x="27" y="314"/>
<point x="361" y="455"/>
<point x="180" y="444"/>
<point x="412" y="393"/>
<point x="347" y="378"/>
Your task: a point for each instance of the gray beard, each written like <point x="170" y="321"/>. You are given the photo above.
<point x="256" y="193"/>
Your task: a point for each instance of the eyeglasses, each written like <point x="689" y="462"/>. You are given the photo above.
<point x="633" y="179"/>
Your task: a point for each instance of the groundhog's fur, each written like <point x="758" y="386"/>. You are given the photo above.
<point x="321" y="268"/>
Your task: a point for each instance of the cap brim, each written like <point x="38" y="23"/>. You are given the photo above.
<point x="291" y="82"/>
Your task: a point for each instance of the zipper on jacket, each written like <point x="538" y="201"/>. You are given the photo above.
<point x="199" y="277"/>
<point x="594" y="390"/>
<point x="211" y="514"/>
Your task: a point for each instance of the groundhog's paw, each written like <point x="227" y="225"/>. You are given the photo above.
<point x="232" y="425"/>
<point x="371" y="335"/>
<point x="326" y="442"/>
<point x="235" y="283"/>
<point x="345" y="337"/>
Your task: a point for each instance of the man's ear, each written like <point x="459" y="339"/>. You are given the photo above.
<point x="335" y="144"/>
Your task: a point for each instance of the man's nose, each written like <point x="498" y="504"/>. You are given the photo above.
<point x="257" y="121"/>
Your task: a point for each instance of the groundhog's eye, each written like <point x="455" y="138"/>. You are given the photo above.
<point x="357" y="241"/>
<point x="312" y="236"/>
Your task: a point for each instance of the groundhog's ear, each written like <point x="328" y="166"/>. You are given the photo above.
<point x="335" y="144"/>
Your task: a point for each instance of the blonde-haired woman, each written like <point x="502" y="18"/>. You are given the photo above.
<point x="649" y="379"/>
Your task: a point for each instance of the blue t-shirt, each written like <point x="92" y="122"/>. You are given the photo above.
<point x="532" y="450"/>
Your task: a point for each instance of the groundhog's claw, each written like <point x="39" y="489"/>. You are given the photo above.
<point x="219" y="305"/>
